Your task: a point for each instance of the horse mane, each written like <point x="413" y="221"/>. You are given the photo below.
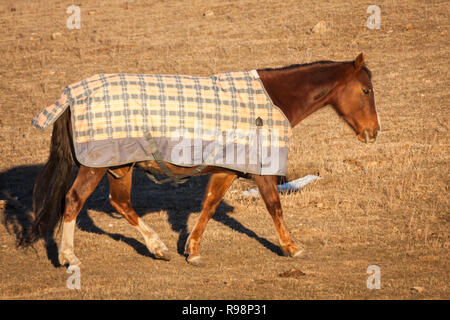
<point x="321" y="62"/>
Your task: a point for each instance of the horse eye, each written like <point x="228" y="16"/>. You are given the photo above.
<point x="365" y="91"/>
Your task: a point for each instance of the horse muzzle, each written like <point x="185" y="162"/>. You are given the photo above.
<point x="368" y="137"/>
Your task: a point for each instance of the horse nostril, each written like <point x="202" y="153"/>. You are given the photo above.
<point x="375" y="132"/>
<point x="366" y="135"/>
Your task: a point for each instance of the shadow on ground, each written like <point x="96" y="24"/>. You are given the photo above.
<point x="16" y="187"/>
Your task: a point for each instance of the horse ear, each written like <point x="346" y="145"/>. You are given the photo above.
<point x="359" y="61"/>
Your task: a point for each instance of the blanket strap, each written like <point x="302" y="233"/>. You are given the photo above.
<point x="176" y="179"/>
<point x="115" y="175"/>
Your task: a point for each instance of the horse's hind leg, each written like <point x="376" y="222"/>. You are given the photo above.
<point x="217" y="186"/>
<point x="83" y="186"/>
<point x="120" y="200"/>
<point x="268" y="189"/>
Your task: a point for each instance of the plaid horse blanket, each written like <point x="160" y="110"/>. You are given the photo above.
<point x="225" y="120"/>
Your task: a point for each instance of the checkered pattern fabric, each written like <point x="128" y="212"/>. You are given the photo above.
<point x="107" y="107"/>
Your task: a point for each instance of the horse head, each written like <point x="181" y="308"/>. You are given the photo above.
<point x="355" y="101"/>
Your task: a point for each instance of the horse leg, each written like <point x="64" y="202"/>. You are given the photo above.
<point x="83" y="186"/>
<point x="267" y="186"/>
<point x="120" y="199"/>
<point x="217" y="186"/>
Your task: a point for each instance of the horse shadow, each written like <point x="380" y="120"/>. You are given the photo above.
<point x="16" y="187"/>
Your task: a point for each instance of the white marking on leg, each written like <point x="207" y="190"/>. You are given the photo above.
<point x="66" y="248"/>
<point x="188" y="240"/>
<point x="152" y="241"/>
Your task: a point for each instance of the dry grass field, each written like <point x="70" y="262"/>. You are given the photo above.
<point x="384" y="204"/>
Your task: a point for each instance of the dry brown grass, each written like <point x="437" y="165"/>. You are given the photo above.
<point x="384" y="204"/>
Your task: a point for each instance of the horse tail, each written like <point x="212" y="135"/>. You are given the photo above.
<point x="53" y="182"/>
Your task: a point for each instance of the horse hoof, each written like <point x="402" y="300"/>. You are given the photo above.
<point x="300" y="254"/>
<point x="69" y="259"/>
<point x="163" y="255"/>
<point x="195" y="260"/>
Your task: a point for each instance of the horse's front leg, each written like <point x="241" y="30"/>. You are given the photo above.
<point x="217" y="186"/>
<point x="267" y="186"/>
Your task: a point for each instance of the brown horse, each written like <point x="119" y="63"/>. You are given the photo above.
<point x="298" y="90"/>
